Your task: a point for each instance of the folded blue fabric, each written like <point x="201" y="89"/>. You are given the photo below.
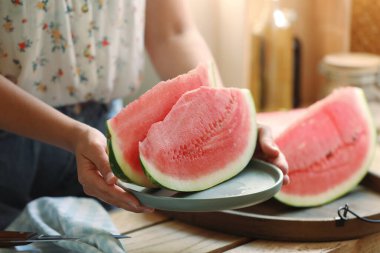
<point x="71" y="216"/>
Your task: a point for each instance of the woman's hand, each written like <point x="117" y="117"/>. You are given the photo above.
<point x="267" y="150"/>
<point x="94" y="172"/>
<point x="23" y="114"/>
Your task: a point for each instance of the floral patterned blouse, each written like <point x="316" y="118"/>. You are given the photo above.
<point x="70" y="51"/>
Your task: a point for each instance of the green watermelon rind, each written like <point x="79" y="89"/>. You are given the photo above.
<point x="156" y="183"/>
<point x="118" y="167"/>
<point x="217" y="177"/>
<point x="117" y="171"/>
<point x="341" y="189"/>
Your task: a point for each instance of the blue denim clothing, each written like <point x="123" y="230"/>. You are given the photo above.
<point x="30" y="169"/>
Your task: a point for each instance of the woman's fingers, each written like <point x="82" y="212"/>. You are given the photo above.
<point x="282" y="164"/>
<point x="114" y="195"/>
<point x="95" y="175"/>
<point x="266" y="144"/>
<point x="100" y="160"/>
<point x="96" y="152"/>
<point x="267" y="150"/>
<point x="94" y="185"/>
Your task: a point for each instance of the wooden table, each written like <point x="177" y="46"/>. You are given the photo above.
<point x="157" y="233"/>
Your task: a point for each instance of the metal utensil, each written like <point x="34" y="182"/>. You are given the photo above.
<point x="15" y="238"/>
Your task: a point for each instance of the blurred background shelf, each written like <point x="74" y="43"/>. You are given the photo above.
<point x="322" y="26"/>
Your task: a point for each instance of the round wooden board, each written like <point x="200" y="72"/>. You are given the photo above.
<point x="275" y="221"/>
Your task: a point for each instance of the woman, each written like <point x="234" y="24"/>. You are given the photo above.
<point x="65" y="65"/>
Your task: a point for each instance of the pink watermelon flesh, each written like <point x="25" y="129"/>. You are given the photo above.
<point x="328" y="146"/>
<point x="208" y="137"/>
<point x="132" y="124"/>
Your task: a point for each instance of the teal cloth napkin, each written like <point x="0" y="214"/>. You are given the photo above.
<point x="71" y="216"/>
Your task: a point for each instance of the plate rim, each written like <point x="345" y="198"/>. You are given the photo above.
<point x="267" y="193"/>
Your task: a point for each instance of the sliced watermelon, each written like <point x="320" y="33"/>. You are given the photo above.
<point x="329" y="146"/>
<point x="131" y="125"/>
<point x="208" y="137"/>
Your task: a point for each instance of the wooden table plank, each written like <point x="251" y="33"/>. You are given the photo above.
<point x="261" y="246"/>
<point x="367" y="244"/>
<point x="174" y="236"/>
<point x="127" y="221"/>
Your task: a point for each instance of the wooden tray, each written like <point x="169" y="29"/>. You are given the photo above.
<point x="275" y="221"/>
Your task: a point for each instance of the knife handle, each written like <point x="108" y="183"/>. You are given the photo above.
<point x="10" y="238"/>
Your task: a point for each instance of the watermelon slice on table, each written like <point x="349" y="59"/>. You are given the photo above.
<point x="131" y="125"/>
<point x="329" y="146"/>
<point x="208" y="137"/>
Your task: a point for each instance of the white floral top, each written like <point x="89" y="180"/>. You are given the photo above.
<point x="70" y="51"/>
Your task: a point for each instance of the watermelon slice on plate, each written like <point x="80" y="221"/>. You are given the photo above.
<point x="208" y="137"/>
<point x="329" y="146"/>
<point x="131" y="125"/>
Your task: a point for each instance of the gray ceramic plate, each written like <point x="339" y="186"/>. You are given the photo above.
<point x="258" y="182"/>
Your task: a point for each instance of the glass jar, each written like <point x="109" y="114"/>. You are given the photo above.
<point x="272" y="49"/>
<point x="354" y="69"/>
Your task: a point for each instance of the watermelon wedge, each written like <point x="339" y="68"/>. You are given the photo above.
<point x="208" y="137"/>
<point x="329" y="146"/>
<point x="131" y="125"/>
